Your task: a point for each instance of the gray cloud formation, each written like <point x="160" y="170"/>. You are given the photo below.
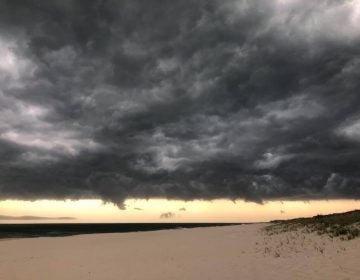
<point x="179" y="99"/>
<point x="167" y="215"/>
<point x="4" y="217"/>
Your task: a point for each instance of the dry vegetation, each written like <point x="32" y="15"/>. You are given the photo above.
<point x="316" y="235"/>
<point x="343" y="225"/>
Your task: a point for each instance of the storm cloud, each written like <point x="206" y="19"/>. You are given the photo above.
<point x="255" y="100"/>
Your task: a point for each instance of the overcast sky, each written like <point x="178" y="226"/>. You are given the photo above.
<point x="258" y="100"/>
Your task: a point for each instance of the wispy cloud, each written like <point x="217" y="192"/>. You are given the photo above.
<point x="167" y="215"/>
<point x="4" y="217"/>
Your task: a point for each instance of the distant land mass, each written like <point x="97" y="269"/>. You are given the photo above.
<point x="4" y="217"/>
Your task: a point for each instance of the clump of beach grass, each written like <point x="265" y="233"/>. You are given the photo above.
<point x="346" y="225"/>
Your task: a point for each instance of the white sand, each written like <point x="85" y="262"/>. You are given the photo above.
<point x="232" y="252"/>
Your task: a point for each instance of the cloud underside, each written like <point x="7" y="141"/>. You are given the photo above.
<point x="256" y="100"/>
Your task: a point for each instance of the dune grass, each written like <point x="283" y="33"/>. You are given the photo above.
<point x="344" y="225"/>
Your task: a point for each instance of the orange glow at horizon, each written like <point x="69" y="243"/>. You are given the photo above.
<point x="141" y="210"/>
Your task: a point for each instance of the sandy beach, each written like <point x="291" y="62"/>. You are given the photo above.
<point x="230" y="252"/>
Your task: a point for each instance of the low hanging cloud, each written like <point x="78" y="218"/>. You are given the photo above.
<point x="186" y="100"/>
<point x="32" y="218"/>
<point x="167" y="215"/>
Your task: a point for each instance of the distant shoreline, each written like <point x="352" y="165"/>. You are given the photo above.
<point x="68" y="229"/>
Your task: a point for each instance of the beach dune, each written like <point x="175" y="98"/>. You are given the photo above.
<point x="229" y="252"/>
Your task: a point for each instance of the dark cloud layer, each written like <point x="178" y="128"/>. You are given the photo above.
<point x="179" y="99"/>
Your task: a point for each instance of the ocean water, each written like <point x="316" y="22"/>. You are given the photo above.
<point x="55" y="229"/>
